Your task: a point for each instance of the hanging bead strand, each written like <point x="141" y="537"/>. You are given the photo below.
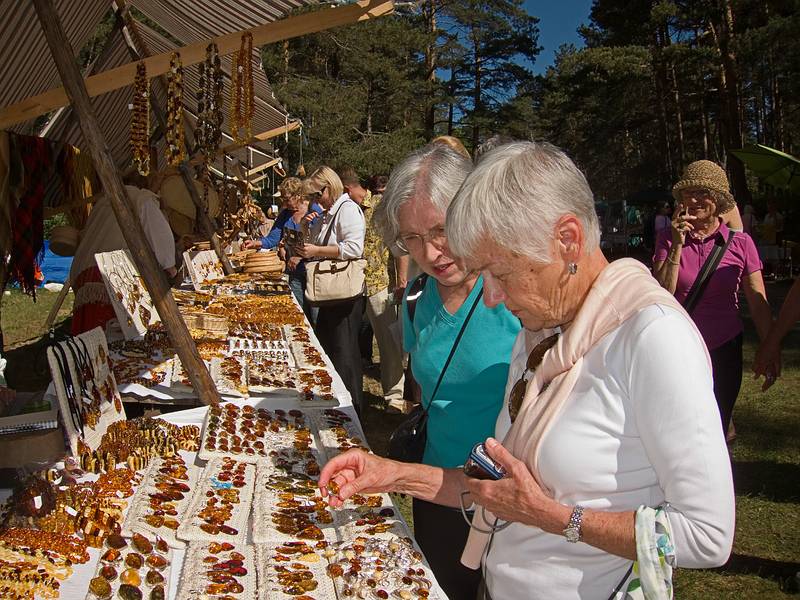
<point x="140" y="121"/>
<point x="176" y="149"/>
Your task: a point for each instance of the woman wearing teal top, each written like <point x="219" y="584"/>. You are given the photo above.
<point x="465" y="406"/>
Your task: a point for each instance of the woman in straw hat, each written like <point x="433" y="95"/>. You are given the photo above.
<point x="609" y="385"/>
<point x="702" y="195"/>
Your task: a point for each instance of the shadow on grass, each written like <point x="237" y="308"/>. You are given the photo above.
<point x="378" y="424"/>
<point x="770" y="480"/>
<point x="782" y="572"/>
<point x="27" y="369"/>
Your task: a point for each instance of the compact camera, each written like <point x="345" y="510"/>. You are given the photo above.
<point x="480" y="465"/>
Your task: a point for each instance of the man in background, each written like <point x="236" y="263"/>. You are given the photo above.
<point x="381" y="308"/>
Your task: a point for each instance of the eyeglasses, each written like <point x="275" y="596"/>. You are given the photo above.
<point x="408" y="242"/>
<point x="535" y="358"/>
<point x="317" y="195"/>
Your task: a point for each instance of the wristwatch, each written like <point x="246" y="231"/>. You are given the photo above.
<point x="573" y="529"/>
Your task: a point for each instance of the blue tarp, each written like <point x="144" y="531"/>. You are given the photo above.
<point x="55" y="268"/>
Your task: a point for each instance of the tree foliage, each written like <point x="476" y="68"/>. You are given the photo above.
<point x="658" y="84"/>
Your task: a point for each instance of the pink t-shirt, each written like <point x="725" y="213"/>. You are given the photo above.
<point x="717" y="312"/>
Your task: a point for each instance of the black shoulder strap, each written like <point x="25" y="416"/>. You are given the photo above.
<point x="414" y="292"/>
<point x="704" y="276"/>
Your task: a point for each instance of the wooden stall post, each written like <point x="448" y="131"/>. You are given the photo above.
<point x="143" y="257"/>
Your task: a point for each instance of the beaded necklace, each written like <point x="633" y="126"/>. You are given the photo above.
<point x="140" y="120"/>
<point x="241" y="108"/>
<point x="176" y="149"/>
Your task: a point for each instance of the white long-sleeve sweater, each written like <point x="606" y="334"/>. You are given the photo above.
<point x="640" y="427"/>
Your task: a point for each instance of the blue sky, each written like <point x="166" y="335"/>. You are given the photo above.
<point x="558" y="22"/>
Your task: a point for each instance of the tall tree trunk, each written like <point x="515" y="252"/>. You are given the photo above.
<point x="477" y="97"/>
<point x="676" y="96"/>
<point x="451" y="104"/>
<point x="285" y="77"/>
<point x="706" y="128"/>
<point x="729" y="86"/>
<point x="431" y="61"/>
<point x="660" y="82"/>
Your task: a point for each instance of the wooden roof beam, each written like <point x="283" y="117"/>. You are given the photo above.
<point x="192" y="54"/>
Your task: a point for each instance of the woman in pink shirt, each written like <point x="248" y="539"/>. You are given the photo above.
<point x="702" y="195"/>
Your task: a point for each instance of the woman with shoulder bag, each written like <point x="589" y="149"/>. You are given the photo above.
<point x="337" y="235"/>
<point x="459" y="348"/>
<point x="705" y="264"/>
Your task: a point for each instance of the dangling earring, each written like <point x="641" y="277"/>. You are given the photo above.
<point x="572" y="268"/>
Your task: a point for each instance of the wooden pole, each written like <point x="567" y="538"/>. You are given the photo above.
<point x="277" y="31"/>
<point x="62" y="295"/>
<point x="266" y="135"/>
<point x="143" y="257"/>
<point x="138" y="50"/>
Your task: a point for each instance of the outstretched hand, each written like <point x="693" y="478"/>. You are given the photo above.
<point x="517" y="497"/>
<point x="356" y="472"/>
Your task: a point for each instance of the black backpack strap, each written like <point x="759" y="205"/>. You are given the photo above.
<point x="704" y="276"/>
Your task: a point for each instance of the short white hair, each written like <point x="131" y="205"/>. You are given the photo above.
<point x="433" y="173"/>
<point x="515" y="196"/>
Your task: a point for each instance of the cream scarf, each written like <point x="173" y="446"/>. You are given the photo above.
<point x="621" y="290"/>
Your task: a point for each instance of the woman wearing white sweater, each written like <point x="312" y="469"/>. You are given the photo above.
<point x="611" y="441"/>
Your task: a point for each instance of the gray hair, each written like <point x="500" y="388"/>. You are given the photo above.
<point x="433" y="173"/>
<point x="515" y="196"/>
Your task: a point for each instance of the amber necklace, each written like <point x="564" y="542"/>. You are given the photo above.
<point x="176" y="150"/>
<point x="241" y="108"/>
<point x="140" y="120"/>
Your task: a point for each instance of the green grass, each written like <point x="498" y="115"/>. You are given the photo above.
<point x="23" y="328"/>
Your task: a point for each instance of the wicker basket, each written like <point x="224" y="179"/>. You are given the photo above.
<point x="211" y="324"/>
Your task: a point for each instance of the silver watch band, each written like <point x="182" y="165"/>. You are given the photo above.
<point x="573" y="529"/>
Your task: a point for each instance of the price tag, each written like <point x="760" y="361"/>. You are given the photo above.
<point x="37" y="502"/>
<point x="120" y="494"/>
<point x="87" y="400"/>
<point x="274" y="208"/>
<point x="71" y="511"/>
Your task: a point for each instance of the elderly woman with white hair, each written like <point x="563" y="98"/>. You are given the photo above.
<point x="612" y="450"/>
<point x="459" y="347"/>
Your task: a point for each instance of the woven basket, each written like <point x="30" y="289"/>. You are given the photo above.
<point x="213" y="324"/>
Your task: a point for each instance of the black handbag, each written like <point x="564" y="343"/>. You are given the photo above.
<point x="407" y="442"/>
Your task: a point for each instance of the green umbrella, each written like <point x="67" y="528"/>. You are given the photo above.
<point x="774" y="167"/>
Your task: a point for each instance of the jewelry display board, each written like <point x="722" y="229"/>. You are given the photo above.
<point x="87" y="393"/>
<point x="202" y="266"/>
<point x="129" y="296"/>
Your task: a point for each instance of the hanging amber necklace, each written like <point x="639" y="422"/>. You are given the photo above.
<point x="176" y="150"/>
<point x="209" y="105"/>
<point x="140" y="120"/>
<point x="241" y="108"/>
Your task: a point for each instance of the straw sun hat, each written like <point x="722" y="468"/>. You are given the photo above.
<point x="708" y="176"/>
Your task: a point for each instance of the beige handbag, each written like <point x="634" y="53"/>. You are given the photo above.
<point x="330" y="281"/>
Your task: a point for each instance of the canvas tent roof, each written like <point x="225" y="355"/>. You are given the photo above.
<point x="30" y="69"/>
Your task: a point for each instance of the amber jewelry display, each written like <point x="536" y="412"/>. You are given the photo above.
<point x="288" y="506"/>
<point x="162" y="500"/>
<point x="176" y="147"/>
<point x="220" y="505"/>
<point x="338" y="432"/>
<point x="293" y="570"/>
<point x="140" y="120"/>
<point x="132" y="569"/>
<point x="68" y="546"/>
<point x="374" y="568"/>
<point x="241" y="107"/>
<point x="248" y="433"/>
<point x="23" y="580"/>
<point x="218" y="570"/>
